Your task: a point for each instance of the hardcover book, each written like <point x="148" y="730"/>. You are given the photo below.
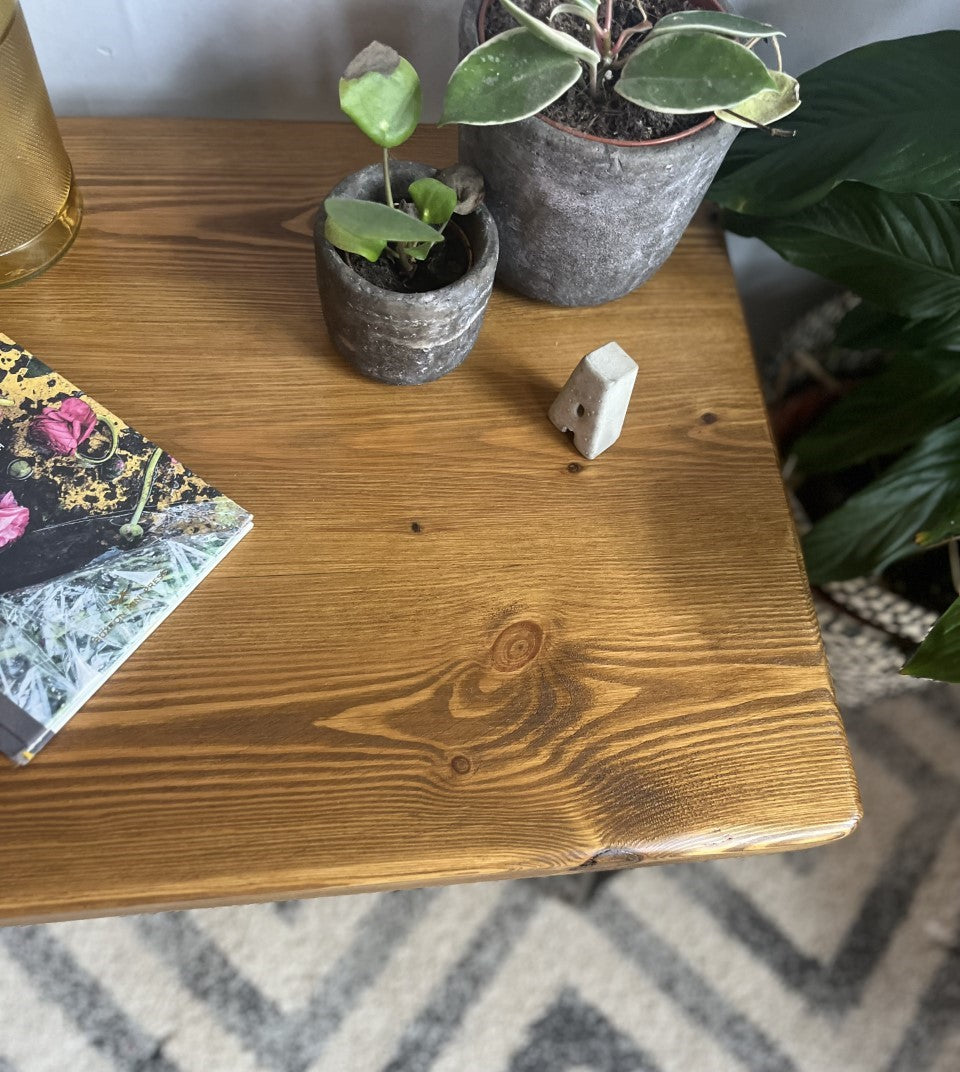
<point x="102" y="535"/>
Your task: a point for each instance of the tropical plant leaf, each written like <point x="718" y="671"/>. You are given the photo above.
<point x="766" y="107"/>
<point x="878" y="526"/>
<point x="715" y="22"/>
<point x="365" y="227"/>
<point x="868" y="327"/>
<point x="900" y="251"/>
<point x="381" y="93"/>
<point x="684" y="73"/>
<point x="885" y="414"/>
<point x="555" y="38"/>
<point x="887" y="114"/>
<point x="510" y="77"/>
<point x="435" y="201"/>
<point x="938" y="657"/>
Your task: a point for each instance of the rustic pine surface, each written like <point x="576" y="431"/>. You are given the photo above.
<point x="451" y="648"/>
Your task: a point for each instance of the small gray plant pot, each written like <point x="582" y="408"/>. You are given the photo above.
<point x="404" y="338"/>
<point x="584" y="221"/>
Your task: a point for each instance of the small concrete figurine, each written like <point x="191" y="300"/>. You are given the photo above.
<point x="594" y="402"/>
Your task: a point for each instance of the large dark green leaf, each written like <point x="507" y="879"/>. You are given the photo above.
<point x="868" y="327"/>
<point x="900" y="251"/>
<point x="884" y="522"/>
<point x="887" y="114"/>
<point x="887" y="413"/>
<point x="938" y="657"/>
<point x="692" y="72"/>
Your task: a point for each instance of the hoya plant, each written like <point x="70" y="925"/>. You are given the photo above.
<point x="380" y="91"/>
<point x="684" y="63"/>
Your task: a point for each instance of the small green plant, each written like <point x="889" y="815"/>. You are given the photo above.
<point x="380" y="91"/>
<point x="685" y="63"/>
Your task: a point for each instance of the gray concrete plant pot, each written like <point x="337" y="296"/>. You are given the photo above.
<point x="584" y="221"/>
<point x="404" y="338"/>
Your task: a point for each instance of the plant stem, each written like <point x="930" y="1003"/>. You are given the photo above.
<point x="387" y="187"/>
<point x="407" y="263"/>
<point x="776" y="48"/>
<point x="594" y="85"/>
<point x="608" y="32"/>
<point x="953" y="549"/>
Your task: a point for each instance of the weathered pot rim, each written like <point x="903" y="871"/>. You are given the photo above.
<point x="650" y="142"/>
<point x="464" y="284"/>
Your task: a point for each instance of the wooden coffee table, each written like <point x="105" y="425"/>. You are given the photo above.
<point x="452" y="648"/>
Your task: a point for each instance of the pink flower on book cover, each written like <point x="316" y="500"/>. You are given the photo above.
<point x="63" y="430"/>
<point x="14" y="519"/>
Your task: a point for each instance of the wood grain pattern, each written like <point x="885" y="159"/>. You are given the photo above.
<point x="452" y="648"/>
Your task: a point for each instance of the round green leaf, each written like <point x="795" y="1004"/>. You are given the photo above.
<point x="887" y="114"/>
<point x="381" y="93"/>
<point x="365" y="227"/>
<point x="435" y="201"/>
<point x="512" y="76"/>
<point x="555" y="38"/>
<point x="692" y="72"/>
<point x="766" y="107"/>
<point x="714" y="22"/>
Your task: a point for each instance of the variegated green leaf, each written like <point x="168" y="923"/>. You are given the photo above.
<point x="685" y="73"/>
<point x="715" y="22"/>
<point x="512" y="76"/>
<point x="579" y="9"/>
<point x="766" y="107"/>
<point x="555" y="38"/>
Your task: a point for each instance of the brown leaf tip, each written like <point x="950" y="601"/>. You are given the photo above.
<point x="376" y="58"/>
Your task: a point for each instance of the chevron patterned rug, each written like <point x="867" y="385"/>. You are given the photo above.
<point x="843" y="959"/>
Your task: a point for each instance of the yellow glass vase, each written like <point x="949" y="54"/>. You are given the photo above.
<point x="40" y="205"/>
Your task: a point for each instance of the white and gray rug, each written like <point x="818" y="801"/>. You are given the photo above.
<point x="843" y="959"/>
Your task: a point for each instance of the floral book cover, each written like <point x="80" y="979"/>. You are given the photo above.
<point x="102" y="535"/>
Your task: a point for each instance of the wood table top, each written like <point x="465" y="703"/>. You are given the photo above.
<point x="451" y="648"/>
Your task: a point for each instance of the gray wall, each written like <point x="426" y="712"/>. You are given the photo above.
<point x="282" y="60"/>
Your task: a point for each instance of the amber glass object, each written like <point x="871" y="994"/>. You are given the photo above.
<point x="39" y="203"/>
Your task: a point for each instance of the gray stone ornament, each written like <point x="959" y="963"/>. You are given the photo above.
<point x="404" y="338"/>
<point x="594" y="402"/>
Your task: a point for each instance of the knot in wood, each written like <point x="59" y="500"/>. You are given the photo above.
<point x="518" y="645"/>
<point x="460" y="764"/>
